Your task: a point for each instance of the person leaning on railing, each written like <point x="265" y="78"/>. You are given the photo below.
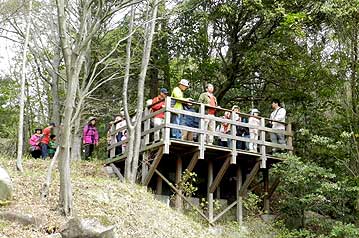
<point x="157" y="104"/>
<point x="177" y="93"/>
<point x="278" y="115"/>
<point x="209" y="99"/>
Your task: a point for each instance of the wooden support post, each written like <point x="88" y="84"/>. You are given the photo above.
<point x="210" y="194"/>
<point x="159" y="186"/>
<point x="202" y="137"/>
<point x="182" y="196"/>
<point x="220" y="175"/>
<point x="147" y="126"/>
<point x="234" y="142"/>
<point x="249" y="179"/>
<point x="153" y="166"/>
<point x="266" y="190"/>
<point x="193" y="162"/>
<point x="117" y="172"/>
<point x="178" y="203"/>
<point x="167" y="131"/>
<point x="290" y="138"/>
<point x="218" y="192"/>
<point x="263" y="147"/>
<point x="113" y="141"/>
<point x="239" y="212"/>
<point x="144" y="171"/>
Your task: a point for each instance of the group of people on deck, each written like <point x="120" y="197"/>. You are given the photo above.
<point x="277" y="118"/>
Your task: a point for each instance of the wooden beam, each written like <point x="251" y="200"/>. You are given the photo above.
<point x="182" y="196"/>
<point x="273" y="187"/>
<point x="234" y="141"/>
<point x="256" y="185"/>
<point x="239" y="212"/>
<point x="290" y="138"/>
<point x="210" y="194"/>
<point x="224" y="211"/>
<point x="249" y="179"/>
<point x="220" y="175"/>
<point x="117" y="172"/>
<point x="158" y="185"/>
<point x="265" y="190"/>
<point x="144" y="171"/>
<point x="167" y="130"/>
<point x="263" y="147"/>
<point x="153" y="166"/>
<point x="201" y="136"/>
<point x="178" y="202"/>
<point x="193" y="162"/>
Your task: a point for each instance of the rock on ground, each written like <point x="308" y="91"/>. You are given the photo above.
<point x="86" y="228"/>
<point x="5" y="185"/>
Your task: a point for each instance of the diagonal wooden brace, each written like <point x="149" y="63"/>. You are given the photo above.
<point x="220" y="175"/>
<point x="249" y="179"/>
<point x="153" y="166"/>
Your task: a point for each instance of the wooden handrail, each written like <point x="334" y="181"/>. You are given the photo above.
<point x="168" y="110"/>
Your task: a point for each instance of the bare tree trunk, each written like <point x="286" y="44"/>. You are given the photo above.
<point x="130" y="127"/>
<point x="76" y="140"/>
<point x="141" y="83"/>
<point x="22" y="94"/>
<point x="65" y="199"/>
<point x="46" y="185"/>
<point x="55" y="117"/>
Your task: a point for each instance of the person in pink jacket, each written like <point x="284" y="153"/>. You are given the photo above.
<point x="35" y="139"/>
<point x="90" y="137"/>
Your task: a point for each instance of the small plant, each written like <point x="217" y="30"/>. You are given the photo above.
<point x="251" y="204"/>
<point x="188" y="183"/>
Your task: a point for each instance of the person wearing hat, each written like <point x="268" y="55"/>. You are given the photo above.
<point x="177" y="93"/>
<point x="253" y="132"/>
<point x="35" y="149"/>
<point x="157" y="104"/>
<point x="209" y="99"/>
<point x="46" y="139"/>
<point x="90" y="137"/>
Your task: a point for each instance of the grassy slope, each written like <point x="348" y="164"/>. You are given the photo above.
<point x="130" y="208"/>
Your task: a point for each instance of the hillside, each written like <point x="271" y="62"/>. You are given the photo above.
<point x="130" y="208"/>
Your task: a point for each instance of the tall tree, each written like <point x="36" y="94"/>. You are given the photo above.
<point x="22" y="94"/>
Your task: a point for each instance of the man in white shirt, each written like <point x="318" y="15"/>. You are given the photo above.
<point x="278" y="115"/>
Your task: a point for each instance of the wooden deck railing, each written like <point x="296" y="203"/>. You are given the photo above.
<point x="148" y="142"/>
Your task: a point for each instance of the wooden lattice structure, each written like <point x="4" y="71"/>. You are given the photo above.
<point x="224" y="172"/>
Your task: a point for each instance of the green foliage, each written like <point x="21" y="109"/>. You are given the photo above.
<point x="252" y="204"/>
<point x="341" y="230"/>
<point x="188" y="183"/>
<point x="307" y="187"/>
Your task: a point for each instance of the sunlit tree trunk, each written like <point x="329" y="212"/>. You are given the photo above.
<point x="20" y="145"/>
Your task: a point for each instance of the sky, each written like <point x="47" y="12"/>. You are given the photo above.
<point x="6" y="53"/>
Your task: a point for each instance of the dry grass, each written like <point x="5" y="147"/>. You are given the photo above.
<point x="130" y="208"/>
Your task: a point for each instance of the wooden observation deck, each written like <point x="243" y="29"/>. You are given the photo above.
<point x="226" y="173"/>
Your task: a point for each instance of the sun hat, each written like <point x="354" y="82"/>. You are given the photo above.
<point x="184" y="82"/>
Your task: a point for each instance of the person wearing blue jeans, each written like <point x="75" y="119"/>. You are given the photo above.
<point x="176" y="119"/>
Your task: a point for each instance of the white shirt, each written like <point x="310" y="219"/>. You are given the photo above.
<point x="278" y="115"/>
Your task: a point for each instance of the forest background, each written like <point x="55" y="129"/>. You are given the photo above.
<point x="303" y="52"/>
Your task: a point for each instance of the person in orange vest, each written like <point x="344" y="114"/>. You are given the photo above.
<point x="45" y="140"/>
<point x="157" y="104"/>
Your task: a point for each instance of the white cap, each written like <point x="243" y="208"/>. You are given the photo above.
<point x="254" y="110"/>
<point x="184" y="82"/>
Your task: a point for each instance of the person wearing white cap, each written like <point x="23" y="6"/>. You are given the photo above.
<point x="177" y="93"/>
<point x="253" y="132"/>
